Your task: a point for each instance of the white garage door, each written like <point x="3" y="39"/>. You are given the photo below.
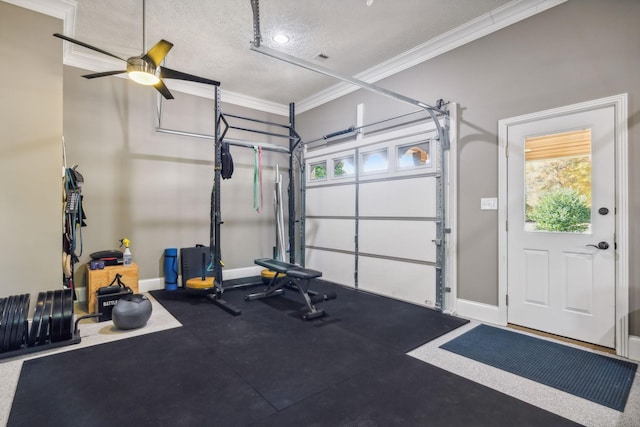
<point x="372" y="213"/>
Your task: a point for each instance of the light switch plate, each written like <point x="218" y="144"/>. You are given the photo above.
<point x="489" y="204"/>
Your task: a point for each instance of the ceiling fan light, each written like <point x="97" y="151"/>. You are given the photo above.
<point x="143" y="78"/>
<point x="140" y="71"/>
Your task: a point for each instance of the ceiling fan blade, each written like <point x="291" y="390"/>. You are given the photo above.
<point x="103" y="74"/>
<point x="167" y="73"/>
<point x="163" y="90"/>
<point x="104" y="52"/>
<point x="157" y="53"/>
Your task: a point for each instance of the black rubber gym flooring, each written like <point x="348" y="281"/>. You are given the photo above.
<point x="267" y="367"/>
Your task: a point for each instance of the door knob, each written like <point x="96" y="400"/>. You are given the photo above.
<point x="601" y="245"/>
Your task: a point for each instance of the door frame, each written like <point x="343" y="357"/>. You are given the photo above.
<point x="619" y="103"/>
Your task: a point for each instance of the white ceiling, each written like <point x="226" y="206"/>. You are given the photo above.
<point x="212" y="38"/>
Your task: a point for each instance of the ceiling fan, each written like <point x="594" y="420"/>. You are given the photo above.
<point x="145" y="69"/>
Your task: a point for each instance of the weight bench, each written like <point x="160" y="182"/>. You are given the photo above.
<point x="295" y="277"/>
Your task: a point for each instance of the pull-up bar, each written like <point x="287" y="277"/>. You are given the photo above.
<point x="231" y="141"/>
<point x="293" y="137"/>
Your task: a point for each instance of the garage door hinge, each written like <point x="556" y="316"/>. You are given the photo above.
<point x="506" y="297"/>
<point x="506" y="151"/>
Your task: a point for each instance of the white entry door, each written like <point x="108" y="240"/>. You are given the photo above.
<point x="561" y="225"/>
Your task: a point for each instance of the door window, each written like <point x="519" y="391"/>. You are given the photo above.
<point x="558" y="182"/>
<point x="343" y="167"/>
<point x="413" y="155"/>
<point x="318" y="171"/>
<point x="375" y="161"/>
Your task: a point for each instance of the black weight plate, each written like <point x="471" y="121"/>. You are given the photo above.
<point x="3" y="320"/>
<point x="61" y="314"/>
<point x="17" y="313"/>
<point x="37" y="318"/>
<point x="7" y="323"/>
<point x="5" y="327"/>
<point x="56" y="316"/>
<point x="23" y="327"/>
<point x="23" y="333"/>
<point x="13" y="322"/>
<point x="67" y="314"/>
<point x="2" y="304"/>
<point x="43" y="334"/>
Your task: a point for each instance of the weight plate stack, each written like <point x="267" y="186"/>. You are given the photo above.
<point x="52" y="320"/>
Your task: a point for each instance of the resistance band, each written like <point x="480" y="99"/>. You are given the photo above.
<point x="257" y="179"/>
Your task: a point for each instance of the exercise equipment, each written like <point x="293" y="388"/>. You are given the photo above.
<point x="295" y="277"/>
<point x="294" y="152"/>
<point x="51" y="326"/>
<point x="268" y="275"/>
<point x="131" y="312"/>
<point x="170" y="269"/>
<point x="198" y="276"/>
<point x="108" y="296"/>
<point x="74" y="220"/>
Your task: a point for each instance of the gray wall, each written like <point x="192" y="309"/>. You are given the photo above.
<point x="578" y="51"/>
<point x="30" y="152"/>
<point x="155" y="188"/>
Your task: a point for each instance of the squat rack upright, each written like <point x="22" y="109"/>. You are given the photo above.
<point x="222" y="126"/>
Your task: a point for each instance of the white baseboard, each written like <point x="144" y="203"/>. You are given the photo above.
<point x="634" y="347"/>
<point x="240" y="273"/>
<point x="478" y="311"/>
<point x="154" y="284"/>
<point x="147" y="285"/>
<point x="81" y="294"/>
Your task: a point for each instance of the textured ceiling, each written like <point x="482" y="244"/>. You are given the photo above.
<point x="212" y="37"/>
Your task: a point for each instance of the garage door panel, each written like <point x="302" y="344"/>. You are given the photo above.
<point x="400" y="239"/>
<point x="330" y="233"/>
<point x="331" y="201"/>
<point x="399" y="198"/>
<point x="415" y="283"/>
<point x="335" y="266"/>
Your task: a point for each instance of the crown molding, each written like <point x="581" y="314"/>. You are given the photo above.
<point x="510" y="13"/>
<point x="495" y="20"/>
<point x="229" y="97"/>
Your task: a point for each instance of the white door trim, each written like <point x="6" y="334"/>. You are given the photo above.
<point x="619" y="102"/>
